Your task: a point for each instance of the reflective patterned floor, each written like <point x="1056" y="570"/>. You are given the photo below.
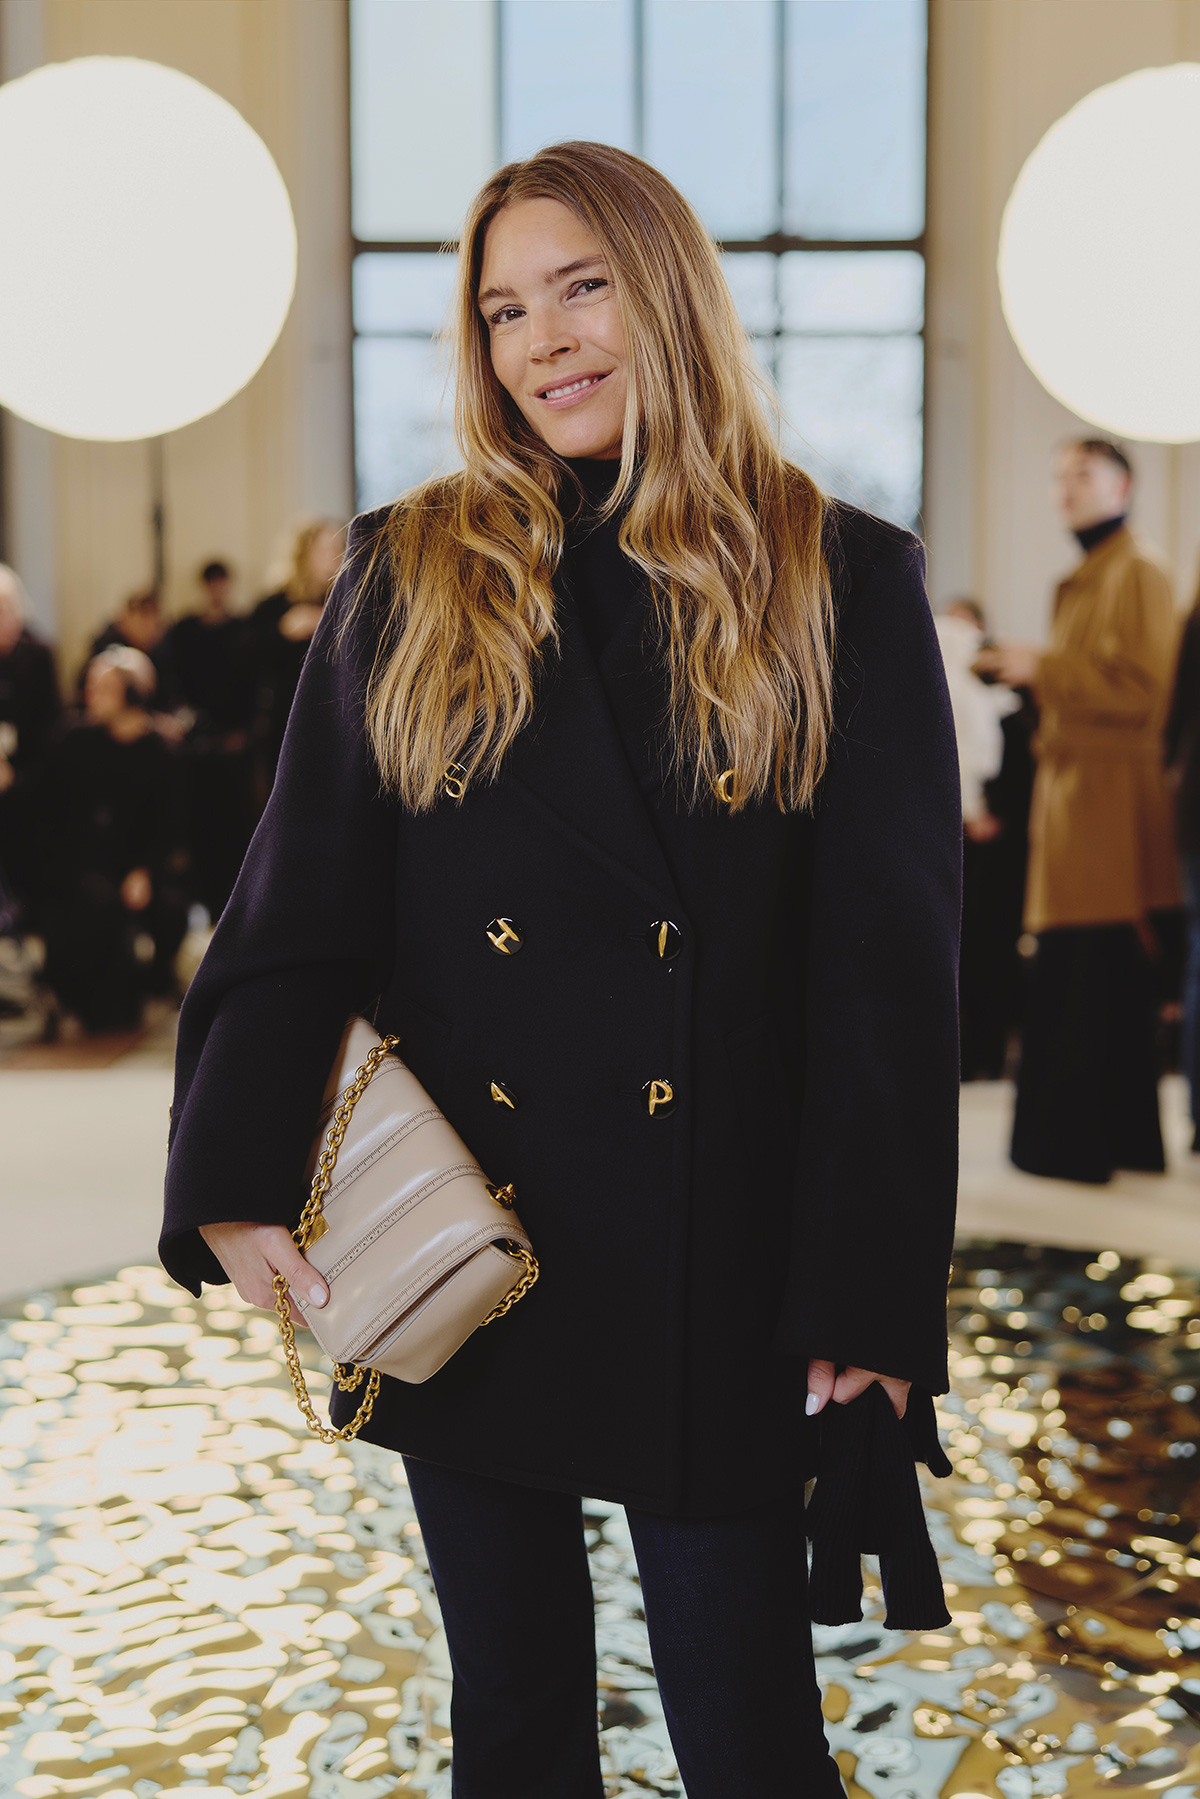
<point x="196" y="1597"/>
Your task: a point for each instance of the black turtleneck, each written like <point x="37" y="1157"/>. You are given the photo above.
<point x="603" y="582"/>
<point x="1091" y="535"/>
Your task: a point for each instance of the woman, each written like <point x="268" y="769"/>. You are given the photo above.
<point x="719" y="1063"/>
<point x="281" y="627"/>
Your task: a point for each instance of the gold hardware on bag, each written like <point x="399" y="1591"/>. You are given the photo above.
<point x="455" y="781"/>
<point x="523" y="1285"/>
<point x="504" y="1196"/>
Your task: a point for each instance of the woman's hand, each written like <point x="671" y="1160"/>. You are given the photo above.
<point x="252" y="1255"/>
<point x="825" y="1383"/>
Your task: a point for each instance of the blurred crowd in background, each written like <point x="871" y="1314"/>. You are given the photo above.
<point x="127" y="803"/>
<point x="125" y="813"/>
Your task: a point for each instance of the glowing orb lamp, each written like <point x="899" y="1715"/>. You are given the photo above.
<point x="1099" y="259"/>
<point x="147" y="248"/>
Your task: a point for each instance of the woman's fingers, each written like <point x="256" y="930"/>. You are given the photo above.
<point x="850" y="1383"/>
<point x="821" y="1380"/>
<point x="853" y="1381"/>
<point x="252" y="1255"/>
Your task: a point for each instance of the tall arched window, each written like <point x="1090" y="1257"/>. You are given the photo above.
<point x="796" y="128"/>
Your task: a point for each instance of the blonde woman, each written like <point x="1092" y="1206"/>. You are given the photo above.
<point x="708" y="781"/>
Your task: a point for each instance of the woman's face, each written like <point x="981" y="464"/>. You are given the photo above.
<point x="555" y="327"/>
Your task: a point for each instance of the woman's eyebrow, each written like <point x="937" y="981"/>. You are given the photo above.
<point x="553" y="275"/>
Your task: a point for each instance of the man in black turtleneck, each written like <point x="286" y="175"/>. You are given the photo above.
<point x="1102" y="863"/>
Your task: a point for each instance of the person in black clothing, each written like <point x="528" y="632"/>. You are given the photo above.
<point x="29" y="712"/>
<point x="281" y="628"/>
<point x="678" y="729"/>
<point x="1182" y="745"/>
<point x="106" y="806"/>
<point x="208" y="666"/>
<point x="138" y="625"/>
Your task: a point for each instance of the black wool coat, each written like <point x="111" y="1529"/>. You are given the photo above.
<point x="796" y="1200"/>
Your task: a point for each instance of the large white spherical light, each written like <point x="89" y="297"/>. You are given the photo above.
<point x="1099" y="259"/>
<point x="147" y="248"/>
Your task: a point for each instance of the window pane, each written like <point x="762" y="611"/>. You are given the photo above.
<point x="852" y="290"/>
<point x="399" y="291"/>
<point x="853" y="412"/>
<point x="567" y="73"/>
<point x="422" y="114"/>
<point x="751" y="278"/>
<point x="855" y="118"/>
<point x="710" y="108"/>
<point x="403" y="413"/>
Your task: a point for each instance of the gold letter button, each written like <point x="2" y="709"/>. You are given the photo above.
<point x="504" y="937"/>
<point x="503" y="1095"/>
<point x="664" y="939"/>
<point x="660" y="1098"/>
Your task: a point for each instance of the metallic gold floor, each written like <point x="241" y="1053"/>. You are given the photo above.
<point x="195" y="1596"/>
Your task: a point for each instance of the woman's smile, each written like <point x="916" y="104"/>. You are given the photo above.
<point x="570" y="392"/>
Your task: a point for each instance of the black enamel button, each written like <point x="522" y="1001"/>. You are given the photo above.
<point x="664" y="939"/>
<point x="504" y="937"/>
<point x="658" y="1097"/>
<point x="503" y="1095"/>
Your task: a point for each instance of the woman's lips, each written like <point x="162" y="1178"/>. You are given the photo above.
<point x="570" y="393"/>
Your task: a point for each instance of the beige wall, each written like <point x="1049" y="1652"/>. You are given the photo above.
<point x="1002" y="71"/>
<point x="79" y="513"/>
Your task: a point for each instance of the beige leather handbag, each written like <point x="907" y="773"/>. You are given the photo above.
<point x="416" y="1247"/>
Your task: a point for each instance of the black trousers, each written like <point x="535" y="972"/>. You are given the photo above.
<point x="1087" y="1091"/>
<point x="725" y="1601"/>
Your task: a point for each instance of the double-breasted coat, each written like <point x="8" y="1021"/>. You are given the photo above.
<point x="795" y="1200"/>
<point x="1101" y="830"/>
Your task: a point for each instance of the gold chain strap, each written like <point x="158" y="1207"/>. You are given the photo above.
<point x="305" y="1232"/>
<point x="312" y="1227"/>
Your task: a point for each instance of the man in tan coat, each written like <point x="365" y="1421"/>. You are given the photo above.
<point x="1102" y="857"/>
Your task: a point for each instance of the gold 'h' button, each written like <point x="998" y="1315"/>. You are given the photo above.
<point x="504" y="937"/>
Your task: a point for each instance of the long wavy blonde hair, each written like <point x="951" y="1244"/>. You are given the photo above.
<point x="728" y="532"/>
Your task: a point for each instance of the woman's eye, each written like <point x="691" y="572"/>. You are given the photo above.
<point x="591" y="281"/>
<point x="501" y="317"/>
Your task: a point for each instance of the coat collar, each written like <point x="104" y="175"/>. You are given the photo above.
<point x="1111" y="548"/>
<point x="586" y="757"/>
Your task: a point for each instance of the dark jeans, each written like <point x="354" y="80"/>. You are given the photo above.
<point x="726" y="1608"/>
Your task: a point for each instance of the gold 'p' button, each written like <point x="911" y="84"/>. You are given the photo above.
<point x="504" y="937"/>
<point x="660" y="1098"/>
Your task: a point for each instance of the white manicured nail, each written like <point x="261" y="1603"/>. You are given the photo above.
<point x="811" y="1404"/>
<point x="317" y="1295"/>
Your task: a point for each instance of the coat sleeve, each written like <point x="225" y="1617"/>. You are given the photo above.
<point x="1123" y="680"/>
<point x="304" y="943"/>
<point x="1185" y="695"/>
<point x="876" y="1175"/>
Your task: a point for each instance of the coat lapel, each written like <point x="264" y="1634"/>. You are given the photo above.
<point x="578" y="758"/>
